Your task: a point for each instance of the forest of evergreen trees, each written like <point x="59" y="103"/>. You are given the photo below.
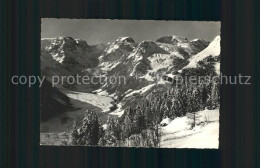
<point x="139" y="125"/>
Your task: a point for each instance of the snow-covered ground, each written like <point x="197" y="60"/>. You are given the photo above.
<point x="118" y="112"/>
<point x="108" y="66"/>
<point x="204" y="135"/>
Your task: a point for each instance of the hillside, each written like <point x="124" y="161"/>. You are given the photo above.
<point x="205" y="135"/>
<point x="147" y="94"/>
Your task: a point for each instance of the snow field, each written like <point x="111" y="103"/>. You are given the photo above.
<point x="204" y="135"/>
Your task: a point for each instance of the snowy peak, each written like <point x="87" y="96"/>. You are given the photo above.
<point x="125" y="39"/>
<point x="181" y="45"/>
<point x="172" y="40"/>
<point x="81" y="43"/>
<point x="147" y="44"/>
<point x="64" y="42"/>
<point x="199" y="43"/>
<point x="116" y="52"/>
<point x="122" y="43"/>
<point x="66" y="55"/>
<point x="212" y="50"/>
<point x="147" y="48"/>
<point x="67" y="43"/>
<point x="70" y="51"/>
<point x="140" y="62"/>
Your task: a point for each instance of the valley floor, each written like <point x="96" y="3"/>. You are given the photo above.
<point x="56" y="130"/>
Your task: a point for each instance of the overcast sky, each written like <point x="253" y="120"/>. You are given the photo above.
<point x="96" y="31"/>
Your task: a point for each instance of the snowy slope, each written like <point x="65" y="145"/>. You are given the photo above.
<point x="141" y="91"/>
<point x="217" y="67"/>
<point x="205" y="135"/>
<point x="212" y="50"/>
<point x="161" y="61"/>
<point x="118" y="112"/>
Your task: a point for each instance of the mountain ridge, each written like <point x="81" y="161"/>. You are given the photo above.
<point x="140" y="62"/>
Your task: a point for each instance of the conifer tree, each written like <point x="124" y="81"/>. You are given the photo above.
<point x="127" y="127"/>
<point x="138" y="122"/>
<point x="110" y="137"/>
<point x="101" y="141"/>
<point x="193" y="118"/>
<point x="89" y="134"/>
<point x="74" y="135"/>
<point x="213" y="101"/>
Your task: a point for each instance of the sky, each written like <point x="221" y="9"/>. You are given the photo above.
<point x="96" y="31"/>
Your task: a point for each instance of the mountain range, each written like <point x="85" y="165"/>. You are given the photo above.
<point x="145" y="66"/>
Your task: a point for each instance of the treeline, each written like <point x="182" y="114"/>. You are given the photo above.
<point x="116" y="133"/>
<point x="139" y="125"/>
<point x="176" y="102"/>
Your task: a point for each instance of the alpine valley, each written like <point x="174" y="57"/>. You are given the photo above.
<point x="150" y="108"/>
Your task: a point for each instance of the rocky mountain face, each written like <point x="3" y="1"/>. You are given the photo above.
<point x="71" y="54"/>
<point x="139" y="63"/>
<point x="65" y="56"/>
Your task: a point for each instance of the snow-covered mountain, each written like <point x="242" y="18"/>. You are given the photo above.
<point x="147" y="92"/>
<point x="182" y="44"/>
<point x="72" y="54"/>
<point x="142" y="64"/>
<point x="213" y="50"/>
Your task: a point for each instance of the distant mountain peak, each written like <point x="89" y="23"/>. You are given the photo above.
<point x="149" y="48"/>
<point x="213" y="50"/>
<point x="172" y="40"/>
<point x="125" y="39"/>
<point x="118" y="49"/>
<point x="122" y="57"/>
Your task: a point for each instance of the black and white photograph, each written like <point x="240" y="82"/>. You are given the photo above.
<point x="130" y="83"/>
